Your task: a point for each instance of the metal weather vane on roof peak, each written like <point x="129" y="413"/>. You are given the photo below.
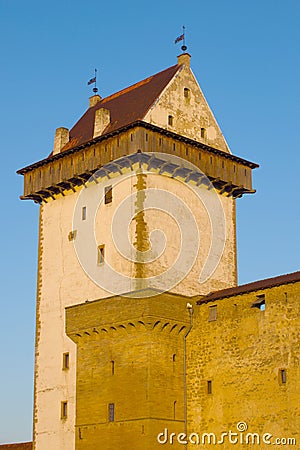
<point x="94" y="80"/>
<point x="182" y="38"/>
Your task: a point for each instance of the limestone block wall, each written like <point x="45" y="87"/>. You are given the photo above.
<point x="129" y="354"/>
<point x="184" y="101"/>
<point x="250" y="358"/>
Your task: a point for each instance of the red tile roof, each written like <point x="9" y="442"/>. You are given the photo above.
<point x="255" y="286"/>
<point x="126" y="106"/>
<point x="20" y="446"/>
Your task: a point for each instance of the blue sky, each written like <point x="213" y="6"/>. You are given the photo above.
<point x="245" y="56"/>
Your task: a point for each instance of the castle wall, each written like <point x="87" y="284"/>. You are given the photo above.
<point x="129" y="354"/>
<point x="243" y="353"/>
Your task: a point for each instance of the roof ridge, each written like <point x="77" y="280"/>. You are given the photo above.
<point x="135" y="85"/>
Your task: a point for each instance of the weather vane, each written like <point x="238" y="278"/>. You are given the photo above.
<point x="94" y="80"/>
<point x="182" y="38"/>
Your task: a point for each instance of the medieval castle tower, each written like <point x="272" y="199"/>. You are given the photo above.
<point x="140" y="325"/>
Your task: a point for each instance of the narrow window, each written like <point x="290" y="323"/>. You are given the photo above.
<point x="209" y="387"/>
<point x="213" y="313"/>
<point x="223" y="165"/>
<point x="112" y="367"/>
<point x="174" y="357"/>
<point x="118" y="142"/>
<point x="260" y="302"/>
<point x="107" y="195"/>
<point x="174" y="147"/>
<point x="131" y="137"/>
<point x="146" y="136"/>
<point x="186" y="93"/>
<point x="186" y="152"/>
<point x="83" y="213"/>
<point x="111" y="412"/>
<point x="203" y="133"/>
<point x="66" y="361"/>
<point x="72" y="235"/>
<point x="101" y="254"/>
<point x="245" y="172"/>
<point x="211" y="160"/>
<point x="160" y="141"/>
<point x="282" y="376"/>
<point x="234" y="169"/>
<point x="64" y="410"/>
<point x="170" y="120"/>
<point x="82" y="157"/>
<point x="199" y="156"/>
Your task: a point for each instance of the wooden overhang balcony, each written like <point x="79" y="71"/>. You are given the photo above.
<point x="143" y="144"/>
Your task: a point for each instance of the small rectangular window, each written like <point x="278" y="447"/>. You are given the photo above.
<point x="146" y="137"/>
<point x="282" y="376"/>
<point x="170" y="120"/>
<point x="186" y="152"/>
<point x="203" y="133"/>
<point x="72" y="235"/>
<point x="107" y="195"/>
<point x="66" y="361"/>
<point x="131" y="137"/>
<point x="111" y="412"/>
<point x="260" y="302"/>
<point x="64" y="410"/>
<point x="209" y="387"/>
<point x="101" y="251"/>
<point x="213" y="313"/>
<point x="83" y="213"/>
<point x="186" y="92"/>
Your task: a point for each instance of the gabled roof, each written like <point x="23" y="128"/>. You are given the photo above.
<point x="19" y="446"/>
<point x="126" y="106"/>
<point x="250" y="287"/>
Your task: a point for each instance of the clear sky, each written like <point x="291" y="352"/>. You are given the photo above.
<point x="245" y="55"/>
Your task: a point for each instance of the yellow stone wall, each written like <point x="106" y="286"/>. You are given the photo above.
<point x="242" y="353"/>
<point x="144" y="339"/>
<point x="190" y="114"/>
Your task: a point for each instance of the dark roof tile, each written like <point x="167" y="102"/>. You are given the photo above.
<point x="19" y="446"/>
<point x="126" y="106"/>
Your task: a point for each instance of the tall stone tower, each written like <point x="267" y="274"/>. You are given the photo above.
<point x="137" y="217"/>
